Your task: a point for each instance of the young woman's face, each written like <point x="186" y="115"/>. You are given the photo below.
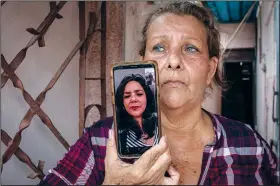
<point x="179" y="45"/>
<point x="134" y="99"/>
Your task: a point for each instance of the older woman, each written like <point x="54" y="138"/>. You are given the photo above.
<point x="197" y="147"/>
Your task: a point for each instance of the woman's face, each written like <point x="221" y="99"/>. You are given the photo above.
<point x="179" y="45"/>
<point x="134" y="99"/>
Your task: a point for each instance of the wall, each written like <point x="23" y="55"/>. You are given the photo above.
<point x="35" y="72"/>
<point x="266" y="68"/>
<point x="114" y="53"/>
<point x="136" y="13"/>
<point x="244" y="38"/>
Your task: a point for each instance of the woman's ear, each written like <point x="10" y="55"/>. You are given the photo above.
<point x="213" y="65"/>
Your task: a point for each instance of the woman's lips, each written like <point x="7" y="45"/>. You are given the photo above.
<point x="134" y="108"/>
<point x="173" y="83"/>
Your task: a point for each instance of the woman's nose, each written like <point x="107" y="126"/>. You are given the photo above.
<point x="174" y="61"/>
<point x="133" y="98"/>
<point x="174" y="66"/>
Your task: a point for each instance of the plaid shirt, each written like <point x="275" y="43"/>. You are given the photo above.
<point x="239" y="155"/>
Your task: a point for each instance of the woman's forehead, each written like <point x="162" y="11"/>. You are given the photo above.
<point x="168" y="24"/>
<point x="133" y="85"/>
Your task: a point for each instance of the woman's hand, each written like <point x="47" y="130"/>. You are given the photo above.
<point x="149" y="169"/>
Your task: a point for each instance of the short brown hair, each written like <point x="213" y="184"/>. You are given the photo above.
<point x="203" y="14"/>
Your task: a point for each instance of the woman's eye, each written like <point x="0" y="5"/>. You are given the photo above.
<point x="191" y="48"/>
<point x="140" y="94"/>
<point x="158" y="48"/>
<point x="126" y="96"/>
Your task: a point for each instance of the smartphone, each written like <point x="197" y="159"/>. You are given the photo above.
<point x="135" y="99"/>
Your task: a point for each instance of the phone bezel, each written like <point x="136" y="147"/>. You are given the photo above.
<point x="125" y="65"/>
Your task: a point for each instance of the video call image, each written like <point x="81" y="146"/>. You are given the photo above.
<point x="136" y="110"/>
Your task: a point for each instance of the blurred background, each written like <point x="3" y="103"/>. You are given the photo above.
<point x="74" y="43"/>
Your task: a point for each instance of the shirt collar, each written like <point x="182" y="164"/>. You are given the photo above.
<point x="217" y="127"/>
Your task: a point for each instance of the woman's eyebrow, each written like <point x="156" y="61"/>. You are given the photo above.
<point x="138" y="90"/>
<point x="160" y="37"/>
<point x="191" y="38"/>
<point x="184" y="37"/>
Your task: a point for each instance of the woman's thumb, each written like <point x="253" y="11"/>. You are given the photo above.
<point x="111" y="149"/>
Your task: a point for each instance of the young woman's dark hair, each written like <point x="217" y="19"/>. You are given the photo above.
<point x="125" y="120"/>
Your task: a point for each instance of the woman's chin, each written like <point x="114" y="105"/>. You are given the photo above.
<point x="174" y="102"/>
<point x="136" y="114"/>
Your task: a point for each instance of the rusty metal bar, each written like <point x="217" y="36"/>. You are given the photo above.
<point x="52" y="6"/>
<point x="89" y="107"/>
<point x="13" y="145"/>
<point x="25" y="122"/>
<point x="103" y="59"/>
<point x="82" y="67"/>
<point x="32" y="103"/>
<point x="39" y="100"/>
<point x="46" y="23"/>
<point x="43" y="27"/>
<point x="21" y="155"/>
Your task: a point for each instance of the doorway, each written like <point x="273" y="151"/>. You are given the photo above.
<point x="237" y="101"/>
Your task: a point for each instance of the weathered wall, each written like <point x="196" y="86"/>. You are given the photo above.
<point x="135" y="15"/>
<point x="244" y="38"/>
<point x="115" y="53"/>
<point x="266" y="67"/>
<point x="37" y="69"/>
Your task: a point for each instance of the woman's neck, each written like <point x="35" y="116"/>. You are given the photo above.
<point x="182" y="120"/>
<point x="139" y="121"/>
<point x="186" y="126"/>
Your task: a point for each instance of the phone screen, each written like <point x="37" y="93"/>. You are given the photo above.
<point x="136" y="108"/>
